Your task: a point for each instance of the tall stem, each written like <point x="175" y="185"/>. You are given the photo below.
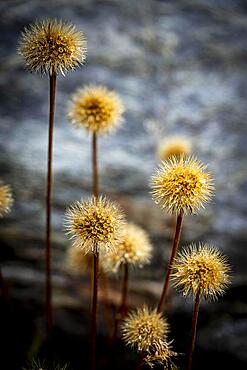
<point x="94" y="308"/>
<point x="49" y="315"/>
<point x="193" y="330"/>
<point x="95" y="166"/>
<point x="95" y="258"/>
<point x="173" y="254"/>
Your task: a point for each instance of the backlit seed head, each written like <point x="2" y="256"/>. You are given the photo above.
<point x="52" y="46"/>
<point x="95" y="225"/>
<point x="173" y="146"/>
<point x="143" y="328"/>
<point x="182" y="185"/>
<point x="6" y="199"/>
<point x="160" y="353"/>
<point x="135" y="249"/>
<point x="96" y="109"/>
<point x="201" y="269"/>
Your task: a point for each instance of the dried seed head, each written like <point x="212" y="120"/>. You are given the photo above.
<point x="182" y="185"/>
<point x="6" y="199"/>
<point x="96" y="109"/>
<point x="201" y="269"/>
<point x="173" y="146"/>
<point x="95" y="225"/>
<point x="135" y="249"/>
<point x="143" y="328"/>
<point x="160" y="353"/>
<point x="52" y="46"/>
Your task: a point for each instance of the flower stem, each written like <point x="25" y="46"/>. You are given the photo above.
<point x="95" y="166"/>
<point x="193" y="330"/>
<point x="94" y="307"/>
<point x="95" y="258"/>
<point x="49" y="314"/>
<point x="173" y="254"/>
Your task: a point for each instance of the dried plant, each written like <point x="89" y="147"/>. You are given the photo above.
<point x="6" y="199"/>
<point x="95" y="225"/>
<point x="173" y="146"/>
<point x="181" y="186"/>
<point x="51" y="47"/>
<point x="96" y="109"/>
<point x="134" y="249"/>
<point x="203" y="272"/>
<point x="146" y="331"/>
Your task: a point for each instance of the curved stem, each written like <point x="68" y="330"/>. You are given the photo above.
<point x="193" y="330"/>
<point x="173" y="254"/>
<point x="49" y="315"/>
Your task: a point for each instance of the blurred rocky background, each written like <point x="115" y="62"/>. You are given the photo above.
<point x="180" y="67"/>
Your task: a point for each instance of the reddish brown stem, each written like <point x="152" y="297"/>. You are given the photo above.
<point x="49" y="315"/>
<point x="193" y="330"/>
<point x="95" y="166"/>
<point x="173" y="254"/>
<point x="94" y="308"/>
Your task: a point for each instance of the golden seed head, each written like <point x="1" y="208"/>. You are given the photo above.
<point x="173" y="146"/>
<point x="95" y="225"/>
<point x="135" y="249"/>
<point x="77" y="261"/>
<point x="96" y="108"/>
<point x="6" y="199"/>
<point x="160" y="353"/>
<point x="51" y="46"/>
<point x="201" y="268"/>
<point x="182" y="185"/>
<point x="143" y="328"/>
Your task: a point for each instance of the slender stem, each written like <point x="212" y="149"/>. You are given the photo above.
<point x="95" y="258"/>
<point x="3" y="287"/>
<point x="193" y="330"/>
<point x="105" y="292"/>
<point x="95" y="166"/>
<point x="49" y="316"/>
<point x="94" y="308"/>
<point x="173" y="254"/>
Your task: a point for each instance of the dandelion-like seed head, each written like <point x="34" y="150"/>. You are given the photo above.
<point x="96" y="108"/>
<point x="6" y="199"/>
<point x="173" y="146"/>
<point x="143" y="328"/>
<point x="201" y="269"/>
<point x="135" y="249"/>
<point x="95" y="225"/>
<point x="182" y="185"/>
<point x="51" y="46"/>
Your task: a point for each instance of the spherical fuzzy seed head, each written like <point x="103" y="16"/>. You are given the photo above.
<point x="96" y="109"/>
<point x="182" y="185"/>
<point x="77" y="262"/>
<point x="135" y="249"/>
<point x="173" y="146"/>
<point x="143" y="328"/>
<point x="6" y="199"/>
<point x="202" y="269"/>
<point x="95" y="225"/>
<point x="52" y="46"/>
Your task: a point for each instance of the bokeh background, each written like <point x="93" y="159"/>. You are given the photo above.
<point x="180" y="68"/>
